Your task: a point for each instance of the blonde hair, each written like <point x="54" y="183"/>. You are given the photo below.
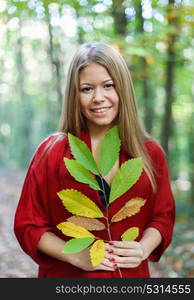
<point x="132" y="133"/>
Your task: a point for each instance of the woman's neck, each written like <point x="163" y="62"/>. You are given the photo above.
<point x="99" y="132"/>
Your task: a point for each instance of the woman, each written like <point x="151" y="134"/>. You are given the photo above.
<point x="99" y="94"/>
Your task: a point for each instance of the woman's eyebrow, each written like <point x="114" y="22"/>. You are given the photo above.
<point x="85" y="83"/>
<point x="89" y="83"/>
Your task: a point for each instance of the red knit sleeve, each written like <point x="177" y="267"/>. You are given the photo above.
<point x="32" y="218"/>
<point x="163" y="214"/>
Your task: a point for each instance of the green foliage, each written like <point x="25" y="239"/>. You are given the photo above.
<point x="77" y="245"/>
<point x="35" y="54"/>
<point x="82" y="153"/>
<point x="26" y="52"/>
<point x="80" y="173"/>
<point x="138" y="51"/>
<point x="125" y="177"/>
<point x="83" y="207"/>
<point x="109" y="151"/>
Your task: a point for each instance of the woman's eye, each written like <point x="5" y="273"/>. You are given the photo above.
<point x="86" y="89"/>
<point x="109" y="85"/>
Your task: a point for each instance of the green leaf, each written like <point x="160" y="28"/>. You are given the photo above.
<point x="77" y="245"/>
<point x="126" y="177"/>
<point x="130" y="234"/>
<point x="80" y="173"/>
<point x="82" y="154"/>
<point x="109" y="151"/>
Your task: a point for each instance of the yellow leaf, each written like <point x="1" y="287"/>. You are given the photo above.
<point x="130" y="234"/>
<point x="149" y="60"/>
<point x="79" y="204"/>
<point x="73" y="230"/>
<point x="88" y="223"/>
<point x="132" y="207"/>
<point x="97" y="252"/>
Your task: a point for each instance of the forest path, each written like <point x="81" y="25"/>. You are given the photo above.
<point x="14" y="263"/>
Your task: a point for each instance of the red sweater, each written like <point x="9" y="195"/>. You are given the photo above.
<point x="40" y="209"/>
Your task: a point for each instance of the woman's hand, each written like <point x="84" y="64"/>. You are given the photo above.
<point x="52" y="245"/>
<point x="117" y="254"/>
<point x="82" y="260"/>
<point x="125" y="254"/>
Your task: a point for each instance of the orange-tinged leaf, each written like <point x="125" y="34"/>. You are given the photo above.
<point x="79" y="204"/>
<point x="97" y="252"/>
<point x="73" y="230"/>
<point x="130" y="234"/>
<point x="88" y="223"/>
<point x="132" y="207"/>
<point x="149" y="60"/>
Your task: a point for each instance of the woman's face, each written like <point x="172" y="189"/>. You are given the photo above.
<point x="98" y="97"/>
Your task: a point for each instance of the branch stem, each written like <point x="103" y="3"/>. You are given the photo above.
<point x="107" y="218"/>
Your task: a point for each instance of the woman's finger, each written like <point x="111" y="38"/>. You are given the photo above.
<point x="104" y="268"/>
<point x="127" y="252"/>
<point x="125" y="259"/>
<point x="124" y="244"/>
<point x="106" y="264"/>
<point x="126" y="266"/>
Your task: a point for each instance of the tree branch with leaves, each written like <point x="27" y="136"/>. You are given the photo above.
<point x="85" y="212"/>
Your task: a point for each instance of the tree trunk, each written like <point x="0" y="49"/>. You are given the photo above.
<point x="55" y="62"/>
<point x="167" y="125"/>
<point x="25" y="111"/>
<point x="191" y="157"/>
<point x="118" y="14"/>
<point x="148" y="111"/>
<point x="191" y="169"/>
<point x="80" y="30"/>
<point x="52" y="115"/>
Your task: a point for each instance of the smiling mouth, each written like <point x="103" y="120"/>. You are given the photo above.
<point x="100" y="110"/>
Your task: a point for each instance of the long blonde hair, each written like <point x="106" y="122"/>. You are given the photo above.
<point x="132" y="133"/>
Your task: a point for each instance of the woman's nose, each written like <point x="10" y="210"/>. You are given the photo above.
<point x="98" y="95"/>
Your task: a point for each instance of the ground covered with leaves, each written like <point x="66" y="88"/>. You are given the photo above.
<point x="178" y="260"/>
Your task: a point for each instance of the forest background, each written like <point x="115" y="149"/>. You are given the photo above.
<point x="37" y="41"/>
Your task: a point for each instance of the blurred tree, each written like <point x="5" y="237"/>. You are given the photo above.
<point x="55" y="60"/>
<point x="173" y="31"/>
<point x="148" y="111"/>
<point x="24" y="117"/>
<point x="56" y="66"/>
<point x="119" y="17"/>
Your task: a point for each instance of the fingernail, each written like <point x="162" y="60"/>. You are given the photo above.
<point x="112" y="259"/>
<point x="110" y="251"/>
<point x="110" y="243"/>
<point x="115" y="265"/>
